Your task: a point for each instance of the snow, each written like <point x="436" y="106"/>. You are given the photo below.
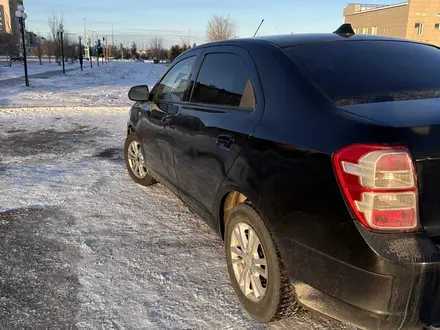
<point x="106" y="85"/>
<point x="82" y="245"/>
<point x="141" y="265"/>
<point x="17" y="68"/>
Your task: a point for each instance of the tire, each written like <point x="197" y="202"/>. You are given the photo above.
<point x="279" y="300"/>
<point x="137" y="177"/>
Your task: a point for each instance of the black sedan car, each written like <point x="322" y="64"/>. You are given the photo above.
<point x="317" y="159"/>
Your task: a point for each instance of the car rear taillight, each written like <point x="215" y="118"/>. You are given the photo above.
<point x="379" y="185"/>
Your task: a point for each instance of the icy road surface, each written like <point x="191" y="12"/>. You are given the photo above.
<point x="81" y="245"/>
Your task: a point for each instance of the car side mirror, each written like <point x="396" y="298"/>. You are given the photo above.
<point x="139" y="93"/>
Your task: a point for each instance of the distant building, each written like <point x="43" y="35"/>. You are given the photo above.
<point x="7" y="13"/>
<point x="415" y="20"/>
<point x="2" y="19"/>
<point x="8" y="21"/>
<point x="31" y="39"/>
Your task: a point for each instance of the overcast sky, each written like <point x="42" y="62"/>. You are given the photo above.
<point x="139" y="20"/>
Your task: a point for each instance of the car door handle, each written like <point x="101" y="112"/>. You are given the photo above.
<point x="224" y="141"/>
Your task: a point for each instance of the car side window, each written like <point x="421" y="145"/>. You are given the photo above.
<point x="174" y="84"/>
<point x="224" y="80"/>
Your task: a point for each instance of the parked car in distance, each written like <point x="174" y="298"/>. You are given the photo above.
<point x="16" y="57"/>
<point x="316" y="157"/>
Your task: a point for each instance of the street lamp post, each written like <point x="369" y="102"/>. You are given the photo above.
<point x="60" y="33"/>
<point x="105" y="50"/>
<point x="80" y="53"/>
<point x="90" y="54"/>
<point x="97" y="52"/>
<point x="21" y="15"/>
<point x="39" y="45"/>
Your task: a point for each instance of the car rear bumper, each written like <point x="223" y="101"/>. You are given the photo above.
<point x="342" y="311"/>
<point x="395" y="285"/>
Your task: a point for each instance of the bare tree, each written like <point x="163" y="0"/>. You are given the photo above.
<point x="70" y="45"/>
<point x="186" y="44"/>
<point x="39" y="48"/>
<point x="9" y="41"/>
<point x="221" y="28"/>
<point x="54" y="22"/>
<point x="5" y="42"/>
<point x="49" y="48"/>
<point x="156" y="46"/>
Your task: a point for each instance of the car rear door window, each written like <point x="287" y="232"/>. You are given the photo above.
<point x="224" y="80"/>
<point x="175" y="83"/>
<point x="355" y="72"/>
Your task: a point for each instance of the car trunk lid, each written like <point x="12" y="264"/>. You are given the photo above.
<point x="417" y="126"/>
<point x="408" y="113"/>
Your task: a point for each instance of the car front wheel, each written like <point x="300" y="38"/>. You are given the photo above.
<point x="255" y="267"/>
<point x="135" y="161"/>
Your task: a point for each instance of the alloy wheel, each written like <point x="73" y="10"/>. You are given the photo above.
<point x="136" y="160"/>
<point x="249" y="262"/>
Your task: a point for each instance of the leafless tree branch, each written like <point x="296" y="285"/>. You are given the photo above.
<point x="8" y="41"/>
<point x="221" y="28"/>
<point x="156" y="46"/>
<point x="53" y="21"/>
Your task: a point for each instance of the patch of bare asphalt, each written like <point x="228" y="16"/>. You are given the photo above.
<point x="115" y="154"/>
<point x="38" y="279"/>
<point x="22" y="143"/>
<point x="18" y="130"/>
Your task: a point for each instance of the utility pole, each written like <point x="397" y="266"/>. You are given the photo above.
<point x="113" y="38"/>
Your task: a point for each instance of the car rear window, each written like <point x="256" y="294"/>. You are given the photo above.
<point x="356" y="72"/>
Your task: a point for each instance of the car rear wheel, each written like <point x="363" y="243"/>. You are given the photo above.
<point x="255" y="267"/>
<point x="135" y="161"/>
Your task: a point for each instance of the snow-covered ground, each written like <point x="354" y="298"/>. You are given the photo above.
<point x="34" y="67"/>
<point x="135" y="257"/>
<point x="106" y="85"/>
<point x="81" y="245"/>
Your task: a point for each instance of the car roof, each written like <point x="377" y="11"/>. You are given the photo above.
<point x="292" y="40"/>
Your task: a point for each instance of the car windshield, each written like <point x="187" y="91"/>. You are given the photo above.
<point x="356" y="72"/>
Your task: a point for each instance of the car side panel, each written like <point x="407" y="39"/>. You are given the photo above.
<point x="156" y="136"/>
<point x="157" y="142"/>
<point x="201" y="162"/>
